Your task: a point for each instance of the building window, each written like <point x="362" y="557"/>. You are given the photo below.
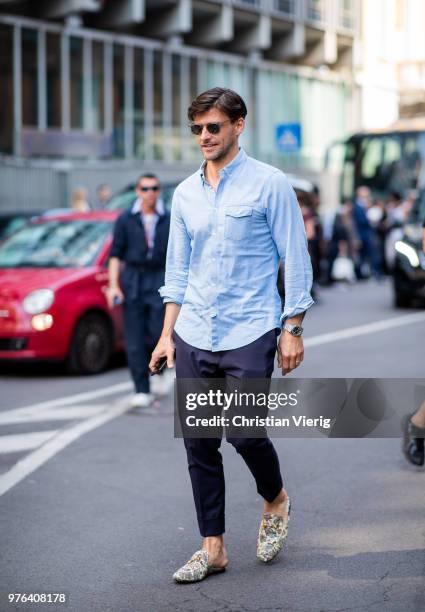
<point x="253" y="100"/>
<point x="118" y="98"/>
<point x="190" y="143"/>
<point x="157" y="106"/>
<point x="193" y="79"/>
<point x="315" y="10"/>
<point x="6" y="89"/>
<point x="98" y="109"/>
<point x="210" y="74"/>
<point x="29" y="78"/>
<point x="346" y="17"/>
<point x="139" y="103"/>
<point x="250" y="2"/>
<point x="53" y="80"/>
<point x="287" y="7"/>
<point x="76" y="82"/>
<point x="175" y="106"/>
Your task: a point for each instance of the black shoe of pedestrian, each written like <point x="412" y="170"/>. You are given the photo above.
<point x="413" y="441"/>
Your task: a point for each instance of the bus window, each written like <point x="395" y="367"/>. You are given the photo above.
<point x="392" y="172"/>
<point x="384" y="161"/>
<point x="371" y="156"/>
<point x="381" y="166"/>
<point x="348" y="171"/>
<point x="392" y="150"/>
<point x="412" y="160"/>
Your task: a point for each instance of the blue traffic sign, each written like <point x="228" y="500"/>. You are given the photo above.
<point x="288" y="137"/>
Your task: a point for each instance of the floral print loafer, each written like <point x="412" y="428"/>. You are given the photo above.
<point x="197" y="568"/>
<point x="272" y="534"/>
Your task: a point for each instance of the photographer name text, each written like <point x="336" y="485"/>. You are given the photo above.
<point x="268" y="421"/>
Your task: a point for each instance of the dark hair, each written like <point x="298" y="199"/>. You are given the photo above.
<point x="148" y="176"/>
<point x="225" y="100"/>
<point x="395" y="195"/>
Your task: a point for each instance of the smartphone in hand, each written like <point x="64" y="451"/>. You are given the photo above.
<point x="162" y="364"/>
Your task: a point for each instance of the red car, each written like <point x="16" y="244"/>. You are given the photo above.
<point x="53" y="276"/>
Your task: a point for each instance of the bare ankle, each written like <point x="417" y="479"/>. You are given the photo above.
<point x="213" y="543"/>
<point x="279" y="499"/>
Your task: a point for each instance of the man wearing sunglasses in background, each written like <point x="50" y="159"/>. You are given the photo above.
<point x="140" y="243"/>
<point x="231" y="223"/>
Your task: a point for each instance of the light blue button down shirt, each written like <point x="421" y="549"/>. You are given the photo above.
<point x="223" y="255"/>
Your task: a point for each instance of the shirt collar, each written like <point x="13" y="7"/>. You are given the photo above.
<point x="231" y="167"/>
<point x="137" y="207"/>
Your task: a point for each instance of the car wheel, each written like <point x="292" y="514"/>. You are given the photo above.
<point x="91" y="345"/>
<point x="401" y="300"/>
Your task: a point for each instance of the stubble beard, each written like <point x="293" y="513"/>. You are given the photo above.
<point x="220" y="154"/>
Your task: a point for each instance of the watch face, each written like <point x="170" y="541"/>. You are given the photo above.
<point x="297" y="331"/>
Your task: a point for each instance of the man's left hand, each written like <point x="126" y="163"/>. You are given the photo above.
<point x="290" y="352"/>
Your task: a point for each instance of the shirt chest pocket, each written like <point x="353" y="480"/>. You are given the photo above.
<point x="237" y="222"/>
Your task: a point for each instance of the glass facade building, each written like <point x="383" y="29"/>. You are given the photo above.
<point x="130" y="96"/>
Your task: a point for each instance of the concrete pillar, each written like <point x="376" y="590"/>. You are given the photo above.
<point x="325" y="51"/>
<point x="256" y="37"/>
<point x="56" y="9"/>
<point x="175" y="20"/>
<point x="216" y="30"/>
<point x="123" y="13"/>
<point x="290" y="45"/>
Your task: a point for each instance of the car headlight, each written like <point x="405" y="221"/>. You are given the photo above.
<point x="37" y="301"/>
<point x="408" y="251"/>
<point x="41" y="322"/>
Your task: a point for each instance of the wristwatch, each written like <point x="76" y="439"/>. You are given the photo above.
<point x="295" y="330"/>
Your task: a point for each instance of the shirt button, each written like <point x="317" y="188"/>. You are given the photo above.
<point x="213" y="314"/>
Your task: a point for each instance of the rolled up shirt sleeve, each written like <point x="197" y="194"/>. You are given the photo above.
<point x="178" y="256"/>
<point x="287" y="228"/>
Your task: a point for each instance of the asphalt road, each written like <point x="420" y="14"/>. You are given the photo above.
<point x="95" y="502"/>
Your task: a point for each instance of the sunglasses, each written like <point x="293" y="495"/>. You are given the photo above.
<point x="156" y="188"/>
<point x="212" y="128"/>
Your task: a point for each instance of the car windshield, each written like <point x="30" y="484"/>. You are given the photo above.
<point x="122" y="201"/>
<point x="55" y="244"/>
<point x="9" y="225"/>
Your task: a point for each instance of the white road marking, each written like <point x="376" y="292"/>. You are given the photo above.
<point x="59" y="414"/>
<point x="54" y="445"/>
<point x="16" y="443"/>
<point x="367" y="328"/>
<point x="34" y="460"/>
<point x="71" y="399"/>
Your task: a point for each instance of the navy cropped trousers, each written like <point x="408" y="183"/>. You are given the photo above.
<point x="255" y="360"/>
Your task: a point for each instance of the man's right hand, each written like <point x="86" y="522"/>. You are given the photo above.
<point x="164" y="348"/>
<point x="113" y="293"/>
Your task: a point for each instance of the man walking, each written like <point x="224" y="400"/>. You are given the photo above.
<point x="231" y="223"/>
<point x="140" y="242"/>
